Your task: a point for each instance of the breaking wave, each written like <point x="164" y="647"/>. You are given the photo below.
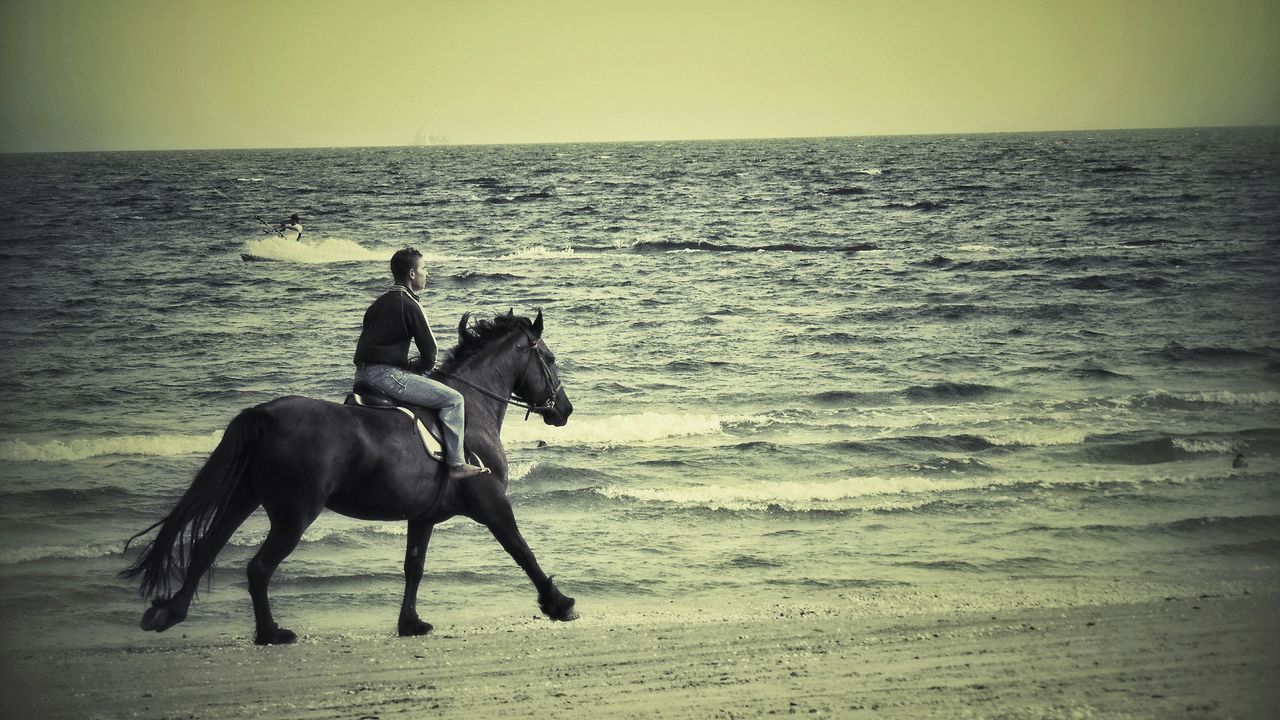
<point x="618" y="429"/>
<point x="84" y="448"/>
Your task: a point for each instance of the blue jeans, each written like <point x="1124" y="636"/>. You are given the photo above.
<point x="418" y="390"/>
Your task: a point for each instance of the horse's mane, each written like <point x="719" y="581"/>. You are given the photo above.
<point x="479" y="335"/>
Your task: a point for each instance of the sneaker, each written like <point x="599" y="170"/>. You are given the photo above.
<point x="465" y="470"/>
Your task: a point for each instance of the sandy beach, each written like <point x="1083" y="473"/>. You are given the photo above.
<point x="1206" y="655"/>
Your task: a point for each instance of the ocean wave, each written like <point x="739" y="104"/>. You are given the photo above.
<point x="1216" y="446"/>
<point x="1268" y="548"/>
<point x="1151" y="451"/>
<point x="468" y="277"/>
<point x="329" y="250"/>
<point x="937" y="261"/>
<point x="1116" y="168"/>
<point x="980" y="248"/>
<point x="15" y="556"/>
<point x="669" y="246"/>
<point x="615" y="430"/>
<point x="1030" y="562"/>
<point x="1038" y="436"/>
<point x="1119" y="281"/>
<point x="939" y="392"/>
<point x="534" y="196"/>
<point x="1114" y="220"/>
<point x="949" y="391"/>
<point x="939" y="443"/>
<point x="1232" y="525"/>
<point x="838" y="496"/>
<point x="484" y="182"/>
<point x="1186" y="400"/>
<point x="1228" y="524"/>
<point x="45" y="504"/>
<point x="517" y="471"/>
<point x="1098" y="373"/>
<point x="990" y="265"/>
<point x="84" y="448"/>
<point x="1176" y="351"/>
<point x="539" y="252"/>
<point x="951" y="466"/>
<point x="921" y="206"/>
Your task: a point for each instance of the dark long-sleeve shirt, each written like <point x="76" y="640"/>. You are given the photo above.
<point x="390" y="323"/>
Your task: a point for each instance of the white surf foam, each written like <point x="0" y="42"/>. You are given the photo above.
<point x="520" y="470"/>
<point x="616" y="429"/>
<point x="328" y="250"/>
<point x="83" y="448"/>
<point x="14" y="556"/>
<point x="796" y="496"/>
<point x="1038" y="436"/>
<point x="539" y="252"/>
<point x="1223" y="397"/>
<point x="1213" y="447"/>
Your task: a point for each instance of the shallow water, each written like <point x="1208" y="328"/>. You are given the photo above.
<point x="798" y="366"/>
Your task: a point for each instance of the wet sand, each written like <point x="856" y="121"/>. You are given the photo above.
<point x="1190" y="656"/>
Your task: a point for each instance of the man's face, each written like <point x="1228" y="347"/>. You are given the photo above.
<point x="417" y="277"/>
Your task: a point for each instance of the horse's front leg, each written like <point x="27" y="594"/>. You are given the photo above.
<point x="415" y="558"/>
<point x="496" y="515"/>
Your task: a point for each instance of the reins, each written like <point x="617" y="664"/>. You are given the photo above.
<point x="510" y="399"/>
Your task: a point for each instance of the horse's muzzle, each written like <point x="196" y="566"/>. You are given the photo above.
<point x="558" y="416"/>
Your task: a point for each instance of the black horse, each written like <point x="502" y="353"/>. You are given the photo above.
<point x="295" y="456"/>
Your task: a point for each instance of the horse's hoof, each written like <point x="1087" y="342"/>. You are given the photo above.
<point x="159" y="618"/>
<point x="413" y="628"/>
<point x="275" y="636"/>
<point x="560" y="609"/>
<point x="153" y="618"/>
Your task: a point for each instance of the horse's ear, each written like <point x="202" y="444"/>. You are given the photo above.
<point x="462" y="326"/>
<point x="511" y="312"/>
<point x="537" y="324"/>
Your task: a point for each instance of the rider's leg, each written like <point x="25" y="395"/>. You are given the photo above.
<point x="449" y="403"/>
<point x="419" y="390"/>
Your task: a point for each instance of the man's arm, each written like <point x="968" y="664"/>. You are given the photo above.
<point x="416" y="322"/>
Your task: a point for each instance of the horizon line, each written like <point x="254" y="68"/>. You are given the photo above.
<point x="640" y="142"/>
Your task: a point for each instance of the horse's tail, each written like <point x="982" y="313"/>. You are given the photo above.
<point x="172" y="550"/>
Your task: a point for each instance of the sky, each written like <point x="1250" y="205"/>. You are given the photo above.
<point x="178" y="74"/>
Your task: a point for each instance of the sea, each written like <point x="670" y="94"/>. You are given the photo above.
<point x="885" y="373"/>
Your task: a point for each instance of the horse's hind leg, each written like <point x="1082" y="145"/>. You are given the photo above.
<point x="281" y="540"/>
<point x="501" y="521"/>
<point x="164" y="613"/>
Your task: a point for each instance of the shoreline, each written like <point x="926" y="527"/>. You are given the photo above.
<point x="1200" y="655"/>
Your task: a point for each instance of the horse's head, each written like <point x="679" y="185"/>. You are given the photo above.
<point x="539" y="384"/>
<point x="516" y="351"/>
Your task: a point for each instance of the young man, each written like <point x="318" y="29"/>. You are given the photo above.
<point x="382" y="356"/>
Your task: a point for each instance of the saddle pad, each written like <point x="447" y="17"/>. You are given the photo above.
<point x="430" y="442"/>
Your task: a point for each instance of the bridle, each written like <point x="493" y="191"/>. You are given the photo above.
<point x="512" y="399"/>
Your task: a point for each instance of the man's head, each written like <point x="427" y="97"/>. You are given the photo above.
<point x="406" y="268"/>
<point x="294" y="218"/>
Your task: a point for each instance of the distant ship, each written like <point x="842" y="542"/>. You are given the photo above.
<point x="423" y="138"/>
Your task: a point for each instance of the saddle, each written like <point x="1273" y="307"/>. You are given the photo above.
<point x="426" y="421"/>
